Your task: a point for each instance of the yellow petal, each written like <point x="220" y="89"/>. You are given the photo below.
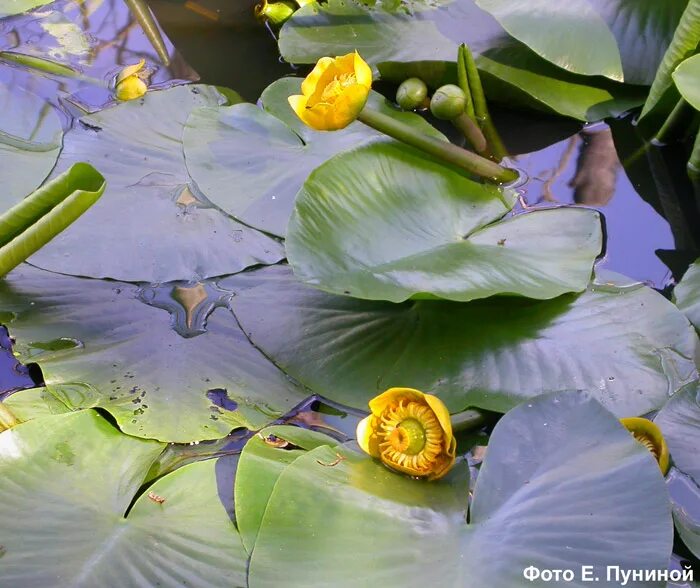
<point x="366" y="436"/>
<point x="308" y="86"/>
<point x="645" y="431"/>
<point x="442" y="414"/>
<point x="392" y="396"/>
<point x="363" y="72"/>
<point x="345" y="64"/>
<point x="442" y="466"/>
<point x="131" y="88"/>
<point x="298" y="104"/>
<point x="320" y="117"/>
<point x="348" y="105"/>
<point x="128" y="71"/>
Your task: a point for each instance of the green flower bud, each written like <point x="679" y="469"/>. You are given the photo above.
<point x="411" y="93"/>
<point x="448" y="102"/>
<point x="276" y="13"/>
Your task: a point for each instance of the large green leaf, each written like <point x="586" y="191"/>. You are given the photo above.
<point x="179" y="369"/>
<point x="30" y="140"/>
<point x="152" y="223"/>
<point x="68" y="482"/>
<point x="562" y="457"/>
<point x="383" y="223"/>
<point x="572" y="35"/>
<point x="252" y="162"/>
<point x="687" y="79"/>
<point x="426" y="41"/>
<point x="685" y="42"/>
<point x="10" y="7"/>
<point x="626" y="345"/>
<point x="687" y="294"/>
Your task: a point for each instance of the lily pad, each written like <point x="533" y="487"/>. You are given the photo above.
<point x="687" y="79"/>
<point x="252" y="162"/>
<point x="176" y="369"/>
<point x="30" y="141"/>
<point x="10" y="7"/>
<point x="627" y="346"/>
<point x="384" y="223"/>
<point x="78" y="477"/>
<point x="152" y="224"/>
<point x="687" y="294"/>
<point x="560" y="456"/>
<point x="426" y="39"/>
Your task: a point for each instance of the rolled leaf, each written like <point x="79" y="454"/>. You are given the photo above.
<point x="29" y="225"/>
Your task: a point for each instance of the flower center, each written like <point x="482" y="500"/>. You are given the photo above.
<point x="410" y="436"/>
<point x="648" y="442"/>
<point x="335" y="87"/>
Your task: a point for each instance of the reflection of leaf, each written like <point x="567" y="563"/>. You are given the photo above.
<point x="626" y="345"/>
<point x="152" y="224"/>
<point x="560" y="457"/>
<point x="141" y="362"/>
<point x="30" y="141"/>
<point x="78" y="477"/>
<point x="383" y="223"/>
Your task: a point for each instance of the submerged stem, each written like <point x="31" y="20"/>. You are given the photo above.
<point x="467" y="420"/>
<point x="675" y="124"/>
<point x="443" y="150"/>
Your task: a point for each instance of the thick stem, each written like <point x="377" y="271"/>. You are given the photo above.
<point x="675" y="124"/>
<point x="472" y="133"/>
<point x="481" y="110"/>
<point x="443" y="150"/>
<point x="467" y="420"/>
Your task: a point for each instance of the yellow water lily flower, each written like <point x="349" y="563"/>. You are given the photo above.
<point x="649" y="435"/>
<point x="128" y="84"/>
<point x="334" y="93"/>
<point x="410" y="432"/>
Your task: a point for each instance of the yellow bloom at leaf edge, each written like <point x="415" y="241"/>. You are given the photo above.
<point x="410" y="432"/>
<point x="334" y="93"/>
<point x="648" y="434"/>
<point x="128" y="84"/>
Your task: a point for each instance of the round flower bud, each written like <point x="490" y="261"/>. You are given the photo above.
<point x="448" y="102"/>
<point x="411" y="93"/>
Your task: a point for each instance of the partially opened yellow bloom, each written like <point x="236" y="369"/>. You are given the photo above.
<point x="129" y="85"/>
<point x="410" y="432"/>
<point x="649" y="435"/>
<point x="334" y="93"/>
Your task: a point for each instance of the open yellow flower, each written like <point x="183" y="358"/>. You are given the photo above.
<point x="410" y="432"/>
<point x="129" y="85"/>
<point x="334" y="93"/>
<point x="649" y="435"/>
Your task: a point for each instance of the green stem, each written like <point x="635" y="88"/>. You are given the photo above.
<point x="143" y="15"/>
<point x="675" y="124"/>
<point x="7" y="419"/>
<point x="463" y="81"/>
<point x="481" y="110"/>
<point x="694" y="163"/>
<point x="443" y="150"/>
<point x="467" y="420"/>
<point x="472" y="132"/>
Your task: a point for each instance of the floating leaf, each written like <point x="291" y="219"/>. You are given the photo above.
<point x="560" y="456"/>
<point x="10" y="7"/>
<point x="252" y="162"/>
<point x="626" y="345"/>
<point x="78" y="477"/>
<point x="687" y="79"/>
<point x="424" y="43"/>
<point x="687" y="294"/>
<point x="572" y="35"/>
<point x="384" y="223"/>
<point x="30" y="141"/>
<point x="152" y="224"/>
<point x="36" y="220"/>
<point x="179" y="369"/>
